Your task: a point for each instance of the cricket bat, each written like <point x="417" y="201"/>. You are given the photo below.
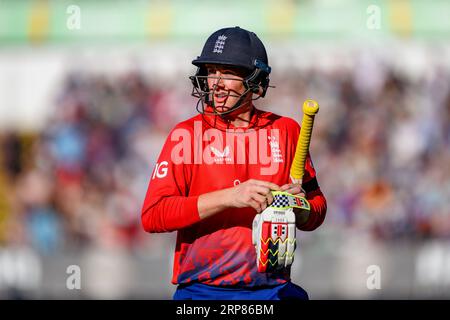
<point x="310" y="109"/>
<point x="274" y="230"/>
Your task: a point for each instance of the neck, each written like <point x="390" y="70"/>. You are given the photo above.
<point x="241" y="120"/>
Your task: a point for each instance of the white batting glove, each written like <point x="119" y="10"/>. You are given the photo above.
<point x="274" y="231"/>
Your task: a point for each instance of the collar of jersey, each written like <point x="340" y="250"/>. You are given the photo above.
<point x="217" y="122"/>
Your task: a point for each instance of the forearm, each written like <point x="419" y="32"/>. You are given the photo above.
<point x="173" y="213"/>
<point x="169" y="213"/>
<point x="166" y="214"/>
<point x="213" y="202"/>
<point x="310" y="221"/>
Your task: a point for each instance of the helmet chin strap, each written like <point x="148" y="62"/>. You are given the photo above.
<point x="206" y="97"/>
<point x="235" y="107"/>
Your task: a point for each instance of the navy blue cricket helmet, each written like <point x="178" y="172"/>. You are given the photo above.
<point x="233" y="47"/>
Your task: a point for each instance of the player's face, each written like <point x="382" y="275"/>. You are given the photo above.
<point x="225" y="85"/>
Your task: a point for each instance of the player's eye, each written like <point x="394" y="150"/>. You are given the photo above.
<point x="211" y="70"/>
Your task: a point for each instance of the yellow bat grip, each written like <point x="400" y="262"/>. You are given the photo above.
<point x="310" y="108"/>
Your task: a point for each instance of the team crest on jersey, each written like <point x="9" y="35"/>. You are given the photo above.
<point x="275" y="149"/>
<point x="220" y="44"/>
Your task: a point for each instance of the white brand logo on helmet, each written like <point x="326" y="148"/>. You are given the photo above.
<point x="220" y="43"/>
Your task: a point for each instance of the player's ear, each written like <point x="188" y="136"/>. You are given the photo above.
<point x="258" y="90"/>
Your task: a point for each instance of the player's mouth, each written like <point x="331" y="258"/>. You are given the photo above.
<point x="220" y="98"/>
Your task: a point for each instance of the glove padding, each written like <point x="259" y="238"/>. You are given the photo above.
<point x="273" y="232"/>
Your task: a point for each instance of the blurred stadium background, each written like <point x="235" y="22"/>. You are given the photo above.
<point x="85" y="106"/>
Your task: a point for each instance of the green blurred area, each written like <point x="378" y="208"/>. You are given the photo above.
<point x="51" y="21"/>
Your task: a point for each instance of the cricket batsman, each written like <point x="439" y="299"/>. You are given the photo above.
<point x="224" y="182"/>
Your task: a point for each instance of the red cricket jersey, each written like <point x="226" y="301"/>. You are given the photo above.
<point x="205" y="154"/>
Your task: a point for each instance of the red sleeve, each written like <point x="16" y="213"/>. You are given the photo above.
<point x="310" y="184"/>
<point x="167" y="205"/>
<point x="318" y="211"/>
<point x="315" y="197"/>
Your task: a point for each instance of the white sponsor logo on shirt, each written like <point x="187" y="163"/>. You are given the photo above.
<point x="221" y="156"/>
<point x="161" y="170"/>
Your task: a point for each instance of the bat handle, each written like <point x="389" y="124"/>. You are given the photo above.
<point x="296" y="181"/>
<point x="310" y="108"/>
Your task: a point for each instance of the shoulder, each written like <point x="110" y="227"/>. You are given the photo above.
<point x="189" y="123"/>
<point x="289" y="123"/>
<point x="281" y="122"/>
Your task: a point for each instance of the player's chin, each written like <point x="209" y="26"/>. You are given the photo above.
<point x="222" y="108"/>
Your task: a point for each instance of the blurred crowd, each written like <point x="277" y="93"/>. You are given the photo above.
<point x="381" y="142"/>
<point x="381" y="146"/>
<point x="82" y="180"/>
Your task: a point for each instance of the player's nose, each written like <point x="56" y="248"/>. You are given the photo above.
<point x="219" y="79"/>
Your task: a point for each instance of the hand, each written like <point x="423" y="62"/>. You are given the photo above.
<point x="301" y="216"/>
<point x="293" y="188"/>
<point x="252" y="193"/>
